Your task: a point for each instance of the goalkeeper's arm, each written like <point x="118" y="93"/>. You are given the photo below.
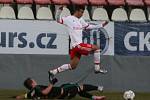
<point x="47" y="89"/>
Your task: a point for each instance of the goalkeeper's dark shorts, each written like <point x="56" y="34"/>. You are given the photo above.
<point x="69" y="90"/>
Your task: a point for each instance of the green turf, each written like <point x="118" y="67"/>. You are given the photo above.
<point x="8" y="95"/>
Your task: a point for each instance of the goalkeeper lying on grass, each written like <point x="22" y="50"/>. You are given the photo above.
<point x="64" y="91"/>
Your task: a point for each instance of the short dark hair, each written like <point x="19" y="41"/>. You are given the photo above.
<point x="27" y="83"/>
<point x="77" y="8"/>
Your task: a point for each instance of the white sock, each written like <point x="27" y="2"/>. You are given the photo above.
<point x="97" y="67"/>
<point x="100" y="88"/>
<point x="62" y="68"/>
<point x="97" y="59"/>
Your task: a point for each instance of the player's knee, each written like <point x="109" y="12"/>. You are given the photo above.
<point x="94" y="48"/>
<point x="97" y="51"/>
<point x="73" y="67"/>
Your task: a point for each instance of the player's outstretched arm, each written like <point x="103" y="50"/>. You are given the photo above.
<point x="90" y="26"/>
<point x="103" y="24"/>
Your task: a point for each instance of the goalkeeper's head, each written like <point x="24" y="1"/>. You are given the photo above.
<point x="30" y="83"/>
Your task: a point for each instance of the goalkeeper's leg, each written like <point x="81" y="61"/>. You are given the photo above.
<point x="88" y="87"/>
<point x="90" y="96"/>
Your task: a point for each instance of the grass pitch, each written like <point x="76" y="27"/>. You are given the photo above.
<point x="8" y="95"/>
